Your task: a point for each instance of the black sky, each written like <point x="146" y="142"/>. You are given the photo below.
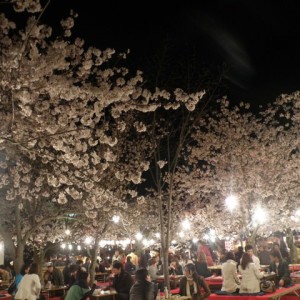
<point x="259" y="40"/>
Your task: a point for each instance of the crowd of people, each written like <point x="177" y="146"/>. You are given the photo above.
<point x="136" y="276"/>
<point x="243" y="274"/>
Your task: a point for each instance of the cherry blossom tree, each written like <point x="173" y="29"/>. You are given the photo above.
<point x="251" y="156"/>
<point x="170" y="133"/>
<point x="71" y="118"/>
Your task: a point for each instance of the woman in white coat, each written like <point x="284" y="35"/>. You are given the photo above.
<point x="231" y="282"/>
<point x="250" y="282"/>
<point x="30" y="285"/>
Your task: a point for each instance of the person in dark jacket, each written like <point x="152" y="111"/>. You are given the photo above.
<point x="239" y="254"/>
<point x="281" y="268"/>
<point x="122" y="281"/>
<point x="191" y="284"/>
<point x="175" y="268"/>
<point x="144" y="260"/>
<point x="70" y="274"/>
<point x="129" y="266"/>
<point x="264" y="256"/>
<point x="143" y="289"/>
<point x="201" y="266"/>
<point x="54" y="275"/>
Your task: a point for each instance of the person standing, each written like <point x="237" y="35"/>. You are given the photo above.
<point x="281" y="268"/>
<point x="134" y="258"/>
<point x="87" y="264"/>
<point x="143" y="288"/>
<point x="201" y="266"/>
<point x="239" y="255"/>
<point x="153" y="270"/>
<point x="231" y="282"/>
<point x="250" y="282"/>
<point x="117" y="256"/>
<point x="264" y="256"/>
<point x="144" y="259"/>
<point x="129" y="266"/>
<point x="30" y="285"/>
<point x="204" y="248"/>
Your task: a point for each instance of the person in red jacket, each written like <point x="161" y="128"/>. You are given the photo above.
<point x="205" y="249"/>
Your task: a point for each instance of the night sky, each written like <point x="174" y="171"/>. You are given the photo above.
<point x="258" y="40"/>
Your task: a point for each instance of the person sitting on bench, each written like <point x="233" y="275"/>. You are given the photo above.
<point x="281" y="268"/>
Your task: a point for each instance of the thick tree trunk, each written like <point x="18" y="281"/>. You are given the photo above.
<point x="290" y="243"/>
<point x="8" y="243"/>
<point x="251" y="240"/>
<point x="164" y="245"/>
<point x="93" y="260"/>
<point x="19" y="257"/>
<point x="39" y="257"/>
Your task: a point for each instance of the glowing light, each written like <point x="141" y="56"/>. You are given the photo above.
<point x="186" y="224"/>
<point x="195" y="240"/>
<point x="298" y="213"/>
<point x="260" y="215"/>
<point x="63" y="246"/>
<point x="151" y="242"/>
<point x="68" y="232"/>
<point x="138" y="236"/>
<point x="231" y="202"/>
<point x="88" y="240"/>
<point x="181" y="234"/>
<point x="157" y="235"/>
<point x="78" y="247"/>
<point x="174" y="242"/>
<point x="116" y="219"/>
<point x="70" y="247"/>
<point x="293" y="218"/>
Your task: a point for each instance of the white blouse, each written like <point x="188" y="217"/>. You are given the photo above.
<point x="29" y="287"/>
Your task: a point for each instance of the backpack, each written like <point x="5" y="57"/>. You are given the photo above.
<point x="268" y="286"/>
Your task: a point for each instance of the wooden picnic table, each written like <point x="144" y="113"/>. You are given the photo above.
<point x="54" y="291"/>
